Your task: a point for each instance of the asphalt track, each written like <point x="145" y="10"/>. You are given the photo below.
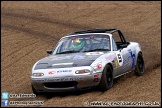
<point x="28" y="29"/>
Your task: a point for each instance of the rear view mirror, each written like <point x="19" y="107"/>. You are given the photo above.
<point x="49" y="51"/>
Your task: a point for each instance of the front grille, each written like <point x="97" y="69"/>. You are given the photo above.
<point x="61" y="84"/>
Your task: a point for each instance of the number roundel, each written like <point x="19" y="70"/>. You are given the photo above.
<point x="120" y="59"/>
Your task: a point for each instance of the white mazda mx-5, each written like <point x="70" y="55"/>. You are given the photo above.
<point x="85" y="59"/>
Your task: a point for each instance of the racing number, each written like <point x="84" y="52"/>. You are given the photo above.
<point x="119" y="58"/>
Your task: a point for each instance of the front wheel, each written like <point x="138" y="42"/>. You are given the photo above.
<point x="106" y="79"/>
<point x="140" y="67"/>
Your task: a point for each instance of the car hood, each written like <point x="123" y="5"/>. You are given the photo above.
<point x="68" y="60"/>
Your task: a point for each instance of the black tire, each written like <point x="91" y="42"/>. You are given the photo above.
<point x="34" y="91"/>
<point x="140" y="66"/>
<point x="106" y="79"/>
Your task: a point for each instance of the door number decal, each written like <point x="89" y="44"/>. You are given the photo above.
<point x="120" y="59"/>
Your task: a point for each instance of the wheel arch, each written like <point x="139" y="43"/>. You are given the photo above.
<point x="137" y="70"/>
<point x="139" y="52"/>
<point x="103" y="84"/>
<point x="110" y="66"/>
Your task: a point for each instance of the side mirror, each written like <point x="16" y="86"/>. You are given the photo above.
<point x="49" y="51"/>
<point x="123" y="45"/>
<point x="128" y="43"/>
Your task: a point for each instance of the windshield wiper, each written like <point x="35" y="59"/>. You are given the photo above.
<point x="73" y="51"/>
<point x="99" y="49"/>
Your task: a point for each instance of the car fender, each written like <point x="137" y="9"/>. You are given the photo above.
<point x="105" y="59"/>
<point x="138" y="50"/>
<point x="135" y="48"/>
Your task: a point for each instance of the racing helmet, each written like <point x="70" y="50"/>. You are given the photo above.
<point x="78" y="43"/>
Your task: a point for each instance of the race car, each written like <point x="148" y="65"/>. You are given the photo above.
<point x="85" y="59"/>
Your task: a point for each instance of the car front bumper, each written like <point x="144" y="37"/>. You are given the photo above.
<point x="71" y="82"/>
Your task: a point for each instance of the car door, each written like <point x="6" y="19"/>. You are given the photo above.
<point x="125" y="53"/>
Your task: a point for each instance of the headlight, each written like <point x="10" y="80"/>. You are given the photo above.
<point x="38" y="74"/>
<point x="82" y="71"/>
<point x="97" y="65"/>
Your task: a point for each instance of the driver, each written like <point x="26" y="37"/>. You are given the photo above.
<point x="78" y="44"/>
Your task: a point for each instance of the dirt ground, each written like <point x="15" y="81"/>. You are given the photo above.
<point x="28" y="29"/>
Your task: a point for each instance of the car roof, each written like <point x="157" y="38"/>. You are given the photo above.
<point x="92" y="31"/>
<point x="84" y="34"/>
<point x="98" y="30"/>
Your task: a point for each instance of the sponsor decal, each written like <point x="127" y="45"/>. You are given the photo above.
<point x="133" y="57"/>
<point x="59" y="71"/>
<point x="73" y="37"/>
<point x="99" y="66"/>
<point x="62" y="58"/>
<point x="96" y="78"/>
<point x="114" y="58"/>
<point x="94" y="53"/>
<point x="80" y="81"/>
<point x="91" y="37"/>
<point x="116" y="63"/>
<point x="61" y="79"/>
<point x="76" y="57"/>
<point x="92" y="57"/>
<point x="51" y="72"/>
<point x="62" y="71"/>
<point x="129" y="62"/>
<point x="110" y="57"/>
<point x="40" y="80"/>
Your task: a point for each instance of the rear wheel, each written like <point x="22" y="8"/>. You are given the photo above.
<point x="140" y="68"/>
<point x="106" y="79"/>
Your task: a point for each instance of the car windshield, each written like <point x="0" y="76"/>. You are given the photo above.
<point x="83" y="43"/>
